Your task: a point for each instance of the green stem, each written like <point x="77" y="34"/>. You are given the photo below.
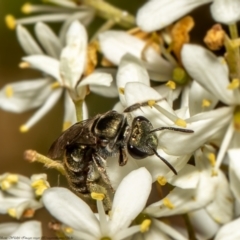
<point x="191" y="233"/>
<point x="108" y="11"/>
<point x="232" y="57"/>
<point x="233" y="31"/>
<point x="78" y="106"/>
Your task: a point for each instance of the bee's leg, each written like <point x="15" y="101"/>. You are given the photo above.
<point x="96" y="188"/>
<point x="122" y="160"/>
<point x="142" y="104"/>
<point x="101" y="166"/>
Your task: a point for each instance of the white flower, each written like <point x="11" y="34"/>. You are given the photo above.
<point x="226" y="11"/>
<point x="29" y="229"/>
<point x="66" y="73"/>
<point x="115" y="44"/>
<point x="213" y="75"/>
<point x="229" y="231"/>
<point x="211" y="192"/>
<point x="157" y="14"/>
<point x="18" y="195"/>
<point x="129" y="200"/>
<point x="67" y="12"/>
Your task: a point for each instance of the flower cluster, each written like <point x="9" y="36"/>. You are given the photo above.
<point x="187" y="185"/>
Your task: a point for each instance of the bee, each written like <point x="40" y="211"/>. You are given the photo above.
<point x="87" y="144"/>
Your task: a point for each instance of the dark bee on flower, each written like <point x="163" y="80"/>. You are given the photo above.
<point x="87" y="144"/>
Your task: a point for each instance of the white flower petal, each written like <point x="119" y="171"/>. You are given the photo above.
<point x="180" y="200"/>
<point x="29" y="229"/>
<point x="24" y="95"/>
<point x="73" y="56"/>
<point x="234" y="166"/>
<point x="167" y="229"/>
<point x="6" y="229"/>
<point x="130" y="199"/>
<point x="77" y="215"/>
<point x="69" y="110"/>
<point x="221" y="208"/>
<point x="45" y="64"/>
<point x="226" y="11"/>
<point x="130" y="69"/>
<point x="229" y="231"/>
<point x="106" y="91"/>
<point x="205" y="126"/>
<point x="157" y="14"/>
<point x="96" y="78"/>
<point x="48" y="40"/>
<point x="115" y="44"/>
<point x="205" y="229"/>
<point x="197" y="96"/>
<point x="27" y="42"/>
<point x="188" y="177"/>
<point x="207" y="70"/>
<point x="85" y="17"/>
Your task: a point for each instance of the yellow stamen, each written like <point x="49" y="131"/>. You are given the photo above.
<point x="236" y="119"/>
<point x="10" y="21"/>
<point x="234" y="84"/>
<point x="9" y="91"/>
<point x="26" y="8"/>
<point x="162" y="180"/>
<point x="68" y="230"/>
<point x="12" y="212"/>
<point x="214" y="173"/>
<point x="206" y="103"/>
<point x="105" y="238"/>
<point x="167" y="203"/>
<point x="151" y="103"/>
<point x="8" y="181"/>
<point x="24" y="65"/>
<point x="55" y="85"/>
<point x="171" y="84"/>
<point x="23" y="129"/>
<point x="212" y="159"/>
<point x="40" y="186"/>
<point x="97" y="196"/>
<point x="144" y="227"/>
<point x="66" y="125"/>
<point x="180" y="122"/>
<point x="121" y="90"/>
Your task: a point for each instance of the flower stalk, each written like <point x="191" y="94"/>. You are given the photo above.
<point x="108" y="11"/>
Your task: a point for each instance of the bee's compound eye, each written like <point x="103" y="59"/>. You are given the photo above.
<point x="136" y="153"/>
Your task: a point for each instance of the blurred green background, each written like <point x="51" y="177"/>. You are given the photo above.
<point x="12" y="142"/>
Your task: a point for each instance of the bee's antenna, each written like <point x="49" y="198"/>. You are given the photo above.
<point x="164" y="160"/>
<point x="172" y="129"/>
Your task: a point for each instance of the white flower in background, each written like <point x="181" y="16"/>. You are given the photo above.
<point x="229" y="231"/>
<point x="115" y="44"/>
<point x="79" y="222"/>
<point x="159" y="230"/>
<point x="213" y="75"/>
<point x="60" y="74"/>
<point x="211" y="195"/>
<point x="157" y="14"/>
<point x="234" y="177"/>
<point x="29" y="229"/>
<point x="19" y="195"/>
<point x="66" y="11"/>
<point x="226" y="11"/>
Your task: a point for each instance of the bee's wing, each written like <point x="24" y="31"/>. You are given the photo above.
<point x="79" y="133"/>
